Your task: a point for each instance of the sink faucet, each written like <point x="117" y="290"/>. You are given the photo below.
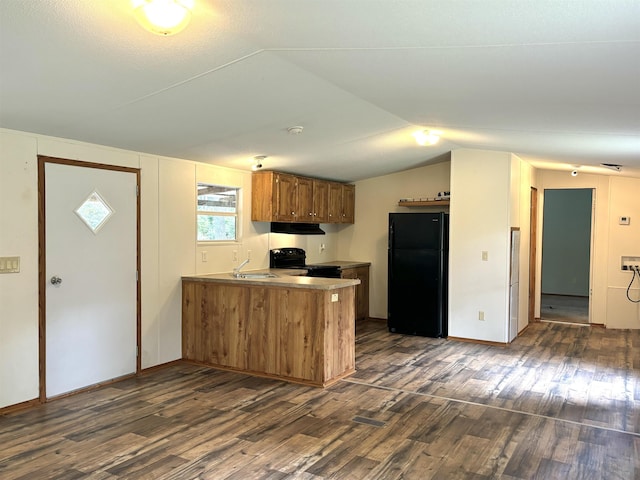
<point x="236" y="270"/>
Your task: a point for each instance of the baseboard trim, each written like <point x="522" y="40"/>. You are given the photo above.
<point x="20" y="406"/>
<point x="36" y="401"/>
<point x="481" y="342"/>
<point x="161" y="366"/>
<point x="91" y="388"/>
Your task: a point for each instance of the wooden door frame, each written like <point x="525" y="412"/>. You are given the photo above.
<point x="42" y="266"/>
<point x="533" y="252"/>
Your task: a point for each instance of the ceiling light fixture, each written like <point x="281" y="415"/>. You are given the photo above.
<point x="257" y="162"/>
<point x="427" y="137"/>
<point x="295" y="130"/>
<point x="163" y="17"/>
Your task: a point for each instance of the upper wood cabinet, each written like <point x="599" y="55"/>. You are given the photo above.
<point x="305" y="199"/>
<point x="348" y="203"/>
<point x="274" y="197"/>
<point x="286" y="198"/>
<point x="342" y="199"/>
<point x="282" y="197"/>
<point x="321" y="201"/>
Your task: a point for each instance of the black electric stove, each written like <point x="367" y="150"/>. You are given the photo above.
<point x="295" y="258"/>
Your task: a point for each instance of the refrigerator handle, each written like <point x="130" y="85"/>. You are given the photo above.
<point x="390" y="236"/>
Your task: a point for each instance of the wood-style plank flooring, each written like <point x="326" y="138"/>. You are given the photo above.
<point x="564" y="308"/>
<point x="561" y="402"/>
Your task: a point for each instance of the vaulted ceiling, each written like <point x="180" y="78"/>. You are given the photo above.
<point x="557" y="83"/>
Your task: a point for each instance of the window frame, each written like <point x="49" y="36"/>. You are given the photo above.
<point x="235" y="214"/>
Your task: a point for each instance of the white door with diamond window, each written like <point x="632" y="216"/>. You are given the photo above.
<point x="91" y="276"/>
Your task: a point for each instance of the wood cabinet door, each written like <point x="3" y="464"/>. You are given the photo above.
<point x="286" y="197"/>
<point x="348" y="203"/>
<point x="362" y="290"/>
<point x="335" y="202"/>
<point x="320" y="201"/>
<point x="301" y="349"/>
<point x="305" y="200"/>
<point x="263" y="199"/>
<point x="362" y="293"/>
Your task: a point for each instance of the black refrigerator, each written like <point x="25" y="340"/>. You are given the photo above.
<point x="417" y="283"/>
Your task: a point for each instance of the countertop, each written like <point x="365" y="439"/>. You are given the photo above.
<point x="284" y="278"/>
<point x="346" y="263"/>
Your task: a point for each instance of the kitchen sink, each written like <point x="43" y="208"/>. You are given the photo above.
<point x="254" y="275"/>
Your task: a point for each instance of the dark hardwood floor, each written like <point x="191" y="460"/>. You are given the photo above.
<point x="564" y="308"/>
<point x="562" y="402"/>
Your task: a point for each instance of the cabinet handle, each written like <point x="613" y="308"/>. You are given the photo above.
<point x="310" y="214"/>
<point x="293" y="213"/>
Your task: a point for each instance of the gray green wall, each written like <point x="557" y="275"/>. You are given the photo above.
<point x="566" y="241"/>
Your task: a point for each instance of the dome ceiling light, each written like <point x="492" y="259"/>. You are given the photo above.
<point x="163" y="17"/>
<point x="297" y="130"/>
<point x="427" y="137"/>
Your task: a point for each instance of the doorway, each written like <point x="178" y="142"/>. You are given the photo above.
<point x="566" y="255"/>
<point x="89" y="268"/>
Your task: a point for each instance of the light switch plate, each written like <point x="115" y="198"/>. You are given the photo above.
<point x="334" y="297"/>
<point x="9" y="264"/>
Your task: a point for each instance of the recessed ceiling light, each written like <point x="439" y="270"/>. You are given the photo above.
<point x="163" y="17"/>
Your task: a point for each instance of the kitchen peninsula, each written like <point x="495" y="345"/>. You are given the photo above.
<point x="294" y="328"/>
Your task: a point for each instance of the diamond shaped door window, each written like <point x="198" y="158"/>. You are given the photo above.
<point x="94" y="211"/>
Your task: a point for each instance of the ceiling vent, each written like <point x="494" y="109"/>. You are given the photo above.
<point x="612" y="166"/>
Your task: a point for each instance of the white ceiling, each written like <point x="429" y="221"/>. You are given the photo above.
<point x="555" y="82"/>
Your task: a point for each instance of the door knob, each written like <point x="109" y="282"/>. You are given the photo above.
<point x="56" y="280"/>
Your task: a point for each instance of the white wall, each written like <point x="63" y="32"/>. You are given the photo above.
<point x="366" y="240"/>
<point x="614" y="196"/>
<point x="168" y="248"/>
<point x="623" y="240"/>
<point x="526" y="179"/>
<point x="481" y="193"/>
<point x="19" y="291"/>
<point x="319" y="248"/>
<point x="253" y="236"/>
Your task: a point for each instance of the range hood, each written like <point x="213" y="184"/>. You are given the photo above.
<point x="296" y="228"/>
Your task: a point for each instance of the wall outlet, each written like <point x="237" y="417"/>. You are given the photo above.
<point x="204" y="256"/>
<point x="334" y="297"/>
<point x="485" y="256"/>
<point x="481" y="315"/>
